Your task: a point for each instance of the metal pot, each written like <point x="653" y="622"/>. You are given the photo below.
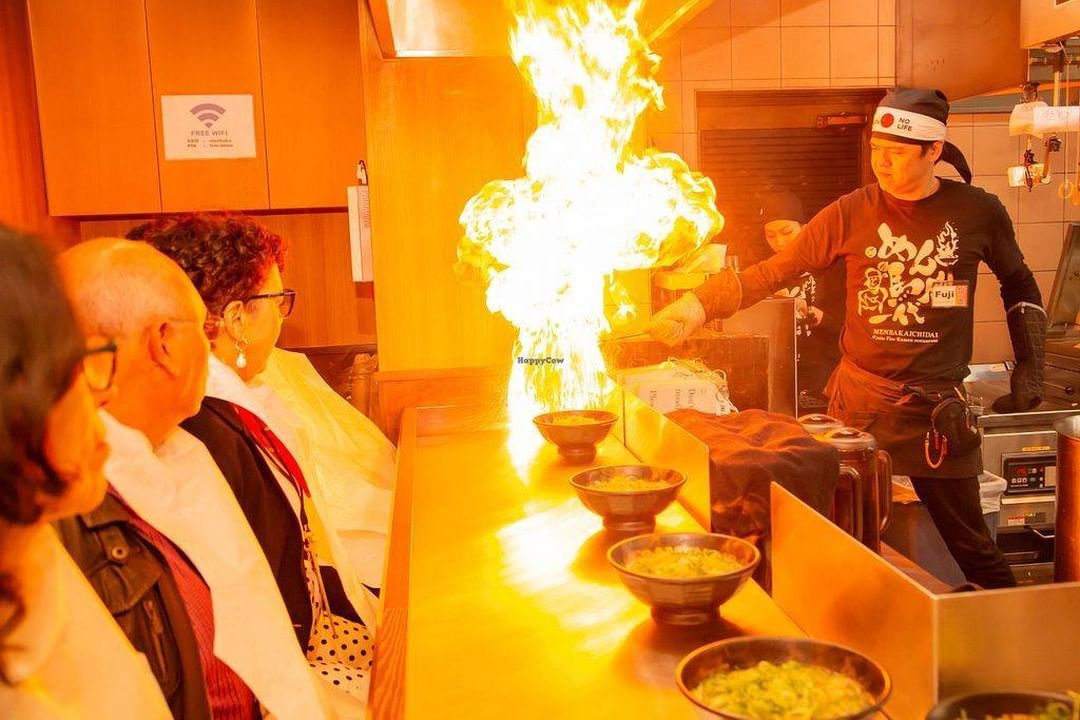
<point x="863" y="501"/>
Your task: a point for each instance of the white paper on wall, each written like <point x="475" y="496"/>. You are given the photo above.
<point x="208" y="127"/>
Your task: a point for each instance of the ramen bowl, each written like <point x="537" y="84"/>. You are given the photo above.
<point x="575" y="432"/>
<point x="747" y="652"/>
<point x="683" y="600"/>
<point x="628" y="497"/>
<point x="997" y="704"/>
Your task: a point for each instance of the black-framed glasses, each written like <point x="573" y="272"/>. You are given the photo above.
<point x="99" y="366"/>
<point x="286" y="299"/>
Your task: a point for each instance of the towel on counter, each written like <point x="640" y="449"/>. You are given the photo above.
<point x="750" y="450"/>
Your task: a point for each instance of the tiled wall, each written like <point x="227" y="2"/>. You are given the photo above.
<point x="770" y="44"/>
<point x="1040" y="217"/>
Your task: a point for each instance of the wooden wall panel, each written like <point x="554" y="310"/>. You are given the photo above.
<point x="208" y="47"/>
<point x="93" y="85"/>
<point x="330" y="308"/>
<point x="312" y="97"/>
<point x="22" y="176"/>
<point x="438" y="129"/>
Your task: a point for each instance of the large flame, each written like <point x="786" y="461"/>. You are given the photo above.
<point x="548" y="244"/>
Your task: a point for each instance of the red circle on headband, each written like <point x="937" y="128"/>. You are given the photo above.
<point x="887" y="120"/>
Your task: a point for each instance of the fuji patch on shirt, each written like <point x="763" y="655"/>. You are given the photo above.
<point x="952" y="294"/>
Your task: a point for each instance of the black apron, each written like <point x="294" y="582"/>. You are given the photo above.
<point x="897" y="418"/>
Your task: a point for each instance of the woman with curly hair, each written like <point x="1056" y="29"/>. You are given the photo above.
<point x="236" y="265"/>
<point x="56" y="637"/>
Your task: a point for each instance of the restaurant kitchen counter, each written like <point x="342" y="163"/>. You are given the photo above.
<point x="499" y="600"/>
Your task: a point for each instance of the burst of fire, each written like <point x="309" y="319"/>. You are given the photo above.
<point x="547" y="244"/>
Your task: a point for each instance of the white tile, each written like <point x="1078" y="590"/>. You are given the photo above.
<point x="706" y="54"/>
<point x="999" y="185"/>
<point x="956" y="119"/>
<point x="853" y="12"/>
<point x="670" y="119"/>
<point x="993" y="150"/>
<point x="1072" y="210"/>
<point x="670" y="52"/>
<point x="717" y="14"/>
<point x="853" y="52"/>
<point x="886" y="51"/>
<point x="1041" y="204"/>
<point x="822" y="83"/>
<point x="804" y="52"/>
<point x="755" y="13"/>
<point x="1041" y="244"/>
<point x="667" y="142"/>
<point x="995" y="118"/>
<point x="690" y="150"/>
<point x="804" y="12"/>
<point x="886" y="12"/>
<point x="991" y="342"/>
<point x="755" y="52"/>
<point x="960" y="136"/>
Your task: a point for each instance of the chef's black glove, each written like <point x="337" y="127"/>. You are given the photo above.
<point x="1027" y="330"/>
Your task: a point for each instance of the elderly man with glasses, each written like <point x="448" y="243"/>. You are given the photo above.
<point x="169" y="550"/>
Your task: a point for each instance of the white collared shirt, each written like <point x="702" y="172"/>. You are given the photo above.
<point x="67" y="659"/>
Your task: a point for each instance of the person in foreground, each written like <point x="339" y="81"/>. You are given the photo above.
<point x="911" y="244"/>
<point x="169" y="549"/>
<point x="56" y="637"/>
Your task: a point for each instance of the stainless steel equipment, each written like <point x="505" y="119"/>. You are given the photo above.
<point x="1022" y="448"/>
<point x="863" y="498"/>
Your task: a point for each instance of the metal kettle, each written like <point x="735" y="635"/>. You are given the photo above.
<point x="863" y="501"/>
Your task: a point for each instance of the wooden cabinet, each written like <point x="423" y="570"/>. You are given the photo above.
<point x="312" y="98"/>
<point x="92" y="69"/>
<point x="208" y="47"/>
<point x="103" y="67"/>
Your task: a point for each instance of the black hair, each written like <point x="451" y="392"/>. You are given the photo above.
<point x="40" y="349"/>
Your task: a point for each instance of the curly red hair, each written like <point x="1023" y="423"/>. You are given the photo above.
<point x="226" y="256"/>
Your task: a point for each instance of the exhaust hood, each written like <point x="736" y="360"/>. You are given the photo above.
<point x="480" y="28"/>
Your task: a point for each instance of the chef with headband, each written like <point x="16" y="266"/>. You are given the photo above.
<point x="911" y="244"/>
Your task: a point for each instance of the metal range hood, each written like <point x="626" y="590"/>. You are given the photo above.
<point x="479" y="28"/>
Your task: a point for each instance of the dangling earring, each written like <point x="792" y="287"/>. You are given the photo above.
<point x="241" y="356"/>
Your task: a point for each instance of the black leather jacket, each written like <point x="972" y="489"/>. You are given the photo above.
<point x="135" y="584"/>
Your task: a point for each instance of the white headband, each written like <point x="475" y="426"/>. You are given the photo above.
<point x="908" y="124"/>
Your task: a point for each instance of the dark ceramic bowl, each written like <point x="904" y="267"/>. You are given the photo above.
<point x="995" y="704"/>
<point x="684" y="601"/>
<point x="575" y="432"/>
<point x="744" y="652"/>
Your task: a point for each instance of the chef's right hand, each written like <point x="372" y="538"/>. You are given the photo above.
<point x="678" y="321"/>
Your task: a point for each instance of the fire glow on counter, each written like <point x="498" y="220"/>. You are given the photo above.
<point x="548" y="244"/>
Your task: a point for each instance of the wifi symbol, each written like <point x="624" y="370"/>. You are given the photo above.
<point x="208" y="113"/>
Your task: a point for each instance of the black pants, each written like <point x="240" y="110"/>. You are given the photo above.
<point x="955" y="508"/>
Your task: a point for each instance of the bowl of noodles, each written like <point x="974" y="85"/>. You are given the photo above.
<point x="628" y="497"/>
<point x="684" y="577"/>
<point x="1008" y="706"/>
<point x="575" y="432"/>
<point x="777" y="678"/>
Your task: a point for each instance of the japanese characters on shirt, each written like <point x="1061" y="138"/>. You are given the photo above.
<point x="908" y="280"/>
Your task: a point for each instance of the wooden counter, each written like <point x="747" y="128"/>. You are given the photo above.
<point x="499" y="601"/>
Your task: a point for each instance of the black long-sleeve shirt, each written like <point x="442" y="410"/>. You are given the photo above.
<point x="912" y="268"/>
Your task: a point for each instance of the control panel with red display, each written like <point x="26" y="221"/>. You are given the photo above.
<point x="1029" y="472"/>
